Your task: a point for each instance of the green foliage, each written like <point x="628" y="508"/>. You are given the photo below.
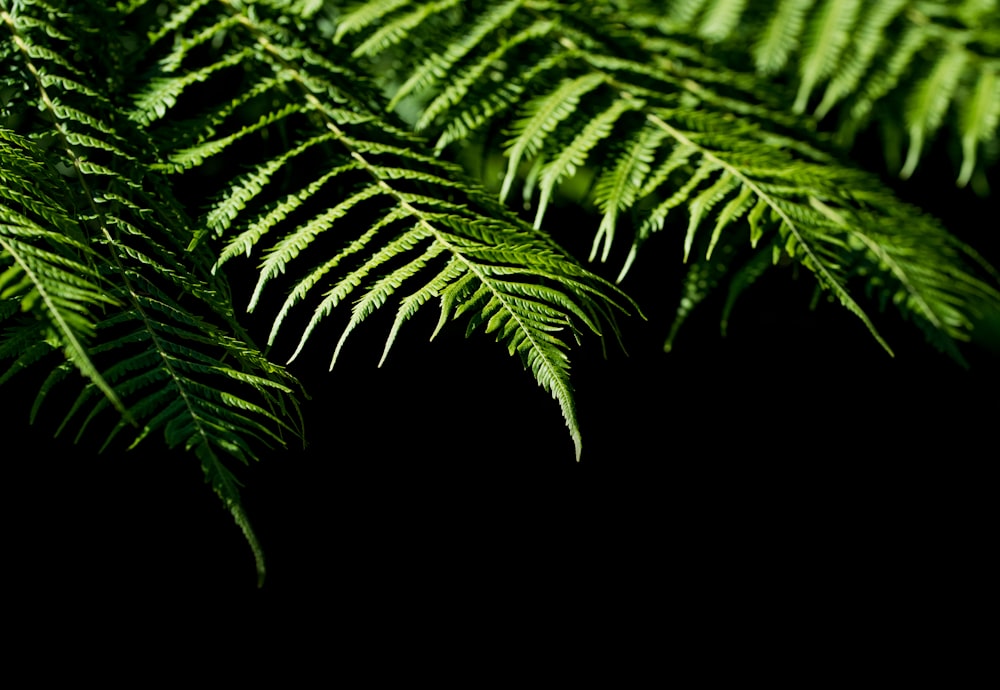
<point x="670" y="128"/>
<point x="94" y="251"/>
<point x="914" y="66"/>
<point x="147" y="146"/>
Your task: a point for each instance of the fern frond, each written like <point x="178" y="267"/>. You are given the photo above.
<point x="145" y="145"/>
<point x="103" y="243"/>
<point x="780" y="35"/>
<point x="868" y="39"/>
<point x="425" y="233"/>
<point x="704" y="276"/>
<point x="980" y="119"/>
<point x="505" y="92"/>
<point x="541" y="116"/>
<point x="915" y="60"/>
<point x="48" y="268"/>
<point x="392" y="32"/>
<point x="365" y="16"/>
<point x="686" y="11"/>
<point x="573" y="157"/>
<point x="720" y="19"/>
<point x="700" y="144"/>
<point x="927" y="104"/>
<point x="617" y="188"/>
<point x="826" y="39"/>
<point x="436" y="67"/>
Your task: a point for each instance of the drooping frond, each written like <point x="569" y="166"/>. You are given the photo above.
<point x="93" y="241"/>
<point x="925" y="64"/>
<point x="719" y="20"/>
<point x="980" y="120"/>
<point x="347" y="202"/>
<point x="781" y="35"/>
<point x="827" y="37"/>
<point x="47" y="265"/>
<point x="667" y="130"/>
<point x="147" y="145"/>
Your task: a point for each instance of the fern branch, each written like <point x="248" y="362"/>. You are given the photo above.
<point x="439" y="231"/>
<point x="165" y="324"/>
<point x="706" y="148"/>
<point x="913" y="60"/>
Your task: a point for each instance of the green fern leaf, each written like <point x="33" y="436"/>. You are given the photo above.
<point x="685" y="11"/>
<point x="543" y="115"/>
<point x="394" y="31"/>
<point x="868" y="39"/>
<point x="145" y="145"/>
<point x="47" y="269"/>
<point x="879" y="60"/>
<point x="434" y="229"/>
<point x="574" y="156"/>
<point x="144" y="320"/>
<point x="928" y="103"/>
<point x="720" y="19"/>
<point x="504" y="92"/>
<point x="828" y="37"/>
<point x="781" y="36"/>
<point x="980" y="118"/>
<point x="437" y="66"/>
<point x="710" y="149"/>
<point x="366" y="15"/>
<point x="617" y="189"/>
